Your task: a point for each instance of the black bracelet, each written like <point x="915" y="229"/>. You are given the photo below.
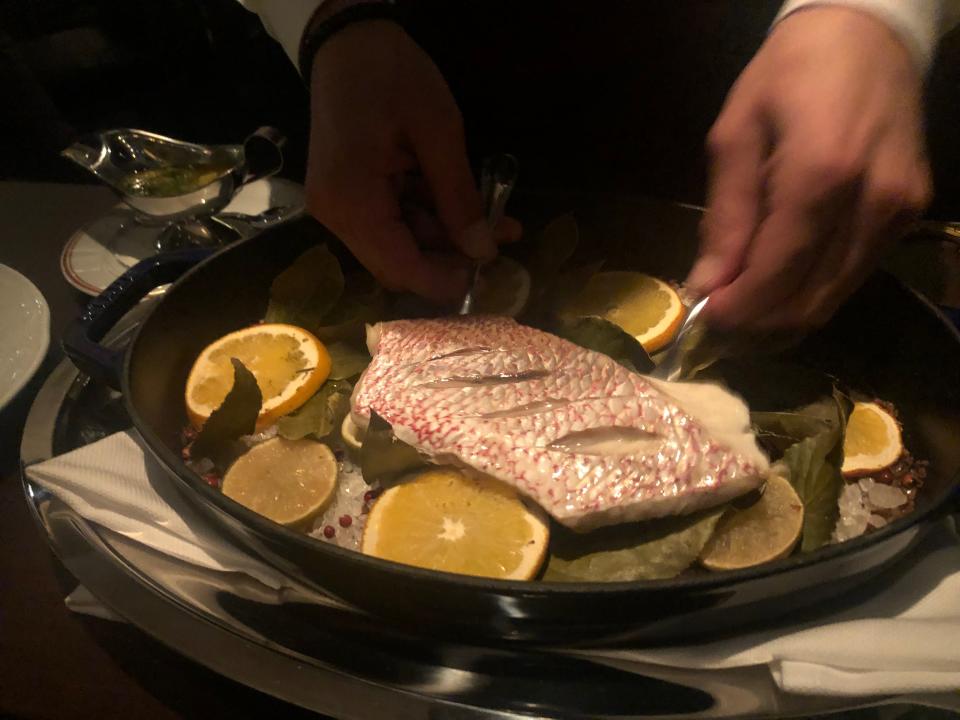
<point x="326" y="29"/>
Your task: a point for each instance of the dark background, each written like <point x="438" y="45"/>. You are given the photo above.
<point x="605" y="95"/>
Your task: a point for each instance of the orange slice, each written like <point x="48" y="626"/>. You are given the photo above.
<point x="289" y="363"/>
<point x="443" y="520"/>
<point x="644" y="306"/>
<point x="872" y="442"/>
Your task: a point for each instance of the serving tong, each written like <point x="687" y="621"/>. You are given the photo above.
<point x="497" y="178"/>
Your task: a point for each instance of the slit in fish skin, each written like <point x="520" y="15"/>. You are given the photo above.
<point x="608" y="441"/>
<point x="462" y="352"/>
<point x="460" y="381"/>
<point x="539" y="406"/>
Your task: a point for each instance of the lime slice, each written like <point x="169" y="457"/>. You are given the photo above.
<point x="764" y="532"/>
<point x="352" y="437"/>
<point x="288" y="481"/>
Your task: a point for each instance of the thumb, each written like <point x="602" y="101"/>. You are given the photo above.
<point x="442" y="154"/>
<point x="733" y="204"/>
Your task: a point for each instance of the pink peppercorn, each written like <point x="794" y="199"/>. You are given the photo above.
<point x="345" y="521"/>
<point x="329" y="532"/>
<point x="370" y="495"/>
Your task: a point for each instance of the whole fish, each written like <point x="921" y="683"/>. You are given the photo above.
<point x="588" y="440"/>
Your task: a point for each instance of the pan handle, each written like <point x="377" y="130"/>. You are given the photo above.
<point x="81" y="341"/>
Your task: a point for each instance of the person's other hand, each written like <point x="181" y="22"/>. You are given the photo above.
<point x="387" y="170"/>
<point x="817" y="161"/>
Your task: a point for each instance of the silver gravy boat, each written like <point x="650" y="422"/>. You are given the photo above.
<point x="166" y="180"/>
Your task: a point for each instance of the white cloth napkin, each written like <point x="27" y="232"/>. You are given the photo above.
<point x="902" y="638"/>
<point x="115" y="483"/>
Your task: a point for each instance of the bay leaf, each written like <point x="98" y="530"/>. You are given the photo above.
<point x="307" y="290"/>
<point x="651" y="550"/>
<point x="321" y="415"/>
<point x="218" y="439"/>
<point x="555" y="245"/>
<point x="600" y="335"/>
<point x="383" y="457"/>
<point x="346" y="360"/>
<point x="814" y="471"/>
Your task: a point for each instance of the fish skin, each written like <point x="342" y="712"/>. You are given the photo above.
<point x="568" y="390"/>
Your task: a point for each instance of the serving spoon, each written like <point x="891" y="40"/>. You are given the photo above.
<point x="497" y="179"/>
<point x="672" y="364"/>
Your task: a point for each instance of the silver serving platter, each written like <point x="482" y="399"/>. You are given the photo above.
<point x="331" y="659"/>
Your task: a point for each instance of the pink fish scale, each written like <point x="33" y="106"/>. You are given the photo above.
<point x="587" y="390"/>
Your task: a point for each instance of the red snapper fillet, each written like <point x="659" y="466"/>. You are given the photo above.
<point x="589" y="441"/>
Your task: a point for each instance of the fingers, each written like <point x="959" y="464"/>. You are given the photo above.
<point x="441" y="151"/>
<point x="376" y="232"/>
<point x="737" y="148"/>
<point x="808" y="194"/>
<point x="420" y="209"/>
<point x="896" y="190"/>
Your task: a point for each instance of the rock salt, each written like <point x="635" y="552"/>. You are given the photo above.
<point x="885" y="497"/>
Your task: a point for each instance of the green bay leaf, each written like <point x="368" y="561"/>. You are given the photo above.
<point x="320" y="415"/>
<point x="307" y="290"/>
<point x="383" y="457"/>
<point x="346" y="360"/>
<point x="603" y="336"/>
<point x="651" y="550"/>
<point x="236" y="416"/>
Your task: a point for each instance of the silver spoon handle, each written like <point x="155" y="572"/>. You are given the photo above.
<point x="497" y="178"/>
<point x="669" y="368"/>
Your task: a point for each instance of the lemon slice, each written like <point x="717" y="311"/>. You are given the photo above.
<point x="503" y="288"/>
<point x="289" y="364"/>
<point x="352" y="436"/>
<point x="766" y="531"/>
<point x="872" y="441"/>
<point x="644" y="306"/>
<point x="288" y="481"/>
<point x="443" y="520"/>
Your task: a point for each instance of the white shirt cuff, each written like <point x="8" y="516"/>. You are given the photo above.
<point x="918" y="23"/>
<point x="285" y="21"/>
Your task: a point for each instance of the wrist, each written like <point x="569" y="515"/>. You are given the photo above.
<point x="912" y="22"/>
<point x="332" y="17"/>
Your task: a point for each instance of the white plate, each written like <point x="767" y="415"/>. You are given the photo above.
<point x="25" y="329"/>
<point x="100" y="252"/>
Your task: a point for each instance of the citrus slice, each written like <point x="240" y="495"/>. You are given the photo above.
<point x="289" y="363"/>
<point x="872" y="441"/>
<point x="352" y="436"/>
<point x="761" y="533"/>
<point x="644" y="306"/>
<point x="503" y="288"/>
<point x="288" y="481"/>
<point x="443" y="520"/>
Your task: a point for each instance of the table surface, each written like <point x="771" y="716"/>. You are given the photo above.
<point x="54" y="663"/>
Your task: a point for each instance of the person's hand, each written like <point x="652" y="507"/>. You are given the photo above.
<point x="387" y="170"/>
<point x="817" y="161"/>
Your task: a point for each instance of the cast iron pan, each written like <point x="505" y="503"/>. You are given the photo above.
<point x="886" y="340"/>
